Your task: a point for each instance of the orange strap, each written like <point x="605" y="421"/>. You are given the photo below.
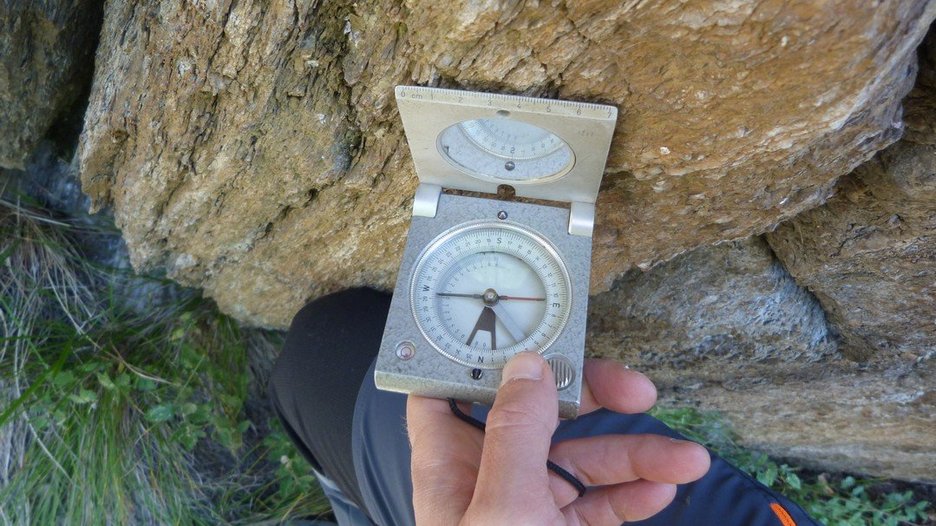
<point x="782" y="514"/>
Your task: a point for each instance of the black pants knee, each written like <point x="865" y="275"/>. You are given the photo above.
<point x="315" y="382"/>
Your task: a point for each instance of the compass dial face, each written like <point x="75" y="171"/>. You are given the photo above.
<point x="485" y="291"/>
<point x="507" y="150"/>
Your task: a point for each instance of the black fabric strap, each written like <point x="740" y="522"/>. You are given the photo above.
<point x="552" y="466"/>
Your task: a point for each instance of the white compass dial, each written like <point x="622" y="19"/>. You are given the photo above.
<point x="485" y="291"/>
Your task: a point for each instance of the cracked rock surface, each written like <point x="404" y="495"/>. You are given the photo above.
<point x="869" y="254"/>
<point x="253" y="148"/>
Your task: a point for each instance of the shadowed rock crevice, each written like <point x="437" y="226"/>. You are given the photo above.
<point x="46" y="64"/>
<point x="726" y="328"/>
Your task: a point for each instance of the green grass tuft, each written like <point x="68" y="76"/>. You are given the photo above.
<point x="110" y="416"/>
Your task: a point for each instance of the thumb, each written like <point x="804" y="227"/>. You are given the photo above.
<point x="518" y="434"/>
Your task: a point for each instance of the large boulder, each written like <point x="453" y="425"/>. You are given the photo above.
<point x="46" y="57"/>
<point x="253" y="148"/>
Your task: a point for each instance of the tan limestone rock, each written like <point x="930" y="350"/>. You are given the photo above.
<point x="841" y="416"/>
<point x="253" y="148"/>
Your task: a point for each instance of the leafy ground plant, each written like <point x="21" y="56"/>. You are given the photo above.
<point x="115" y="414"/>
<point x="834" y="500"/>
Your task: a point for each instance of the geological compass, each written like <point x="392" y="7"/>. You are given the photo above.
<point x="484" y="279"/>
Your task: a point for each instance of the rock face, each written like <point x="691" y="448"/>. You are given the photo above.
<point x="46" y="57"/>
<point x="726" y="328"/>
<point x="253" y="148"/>
<point x="869" y="254"/>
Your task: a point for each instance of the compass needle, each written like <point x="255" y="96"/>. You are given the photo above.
<point x="521" y="298"/>
<point x="455" y="295"/>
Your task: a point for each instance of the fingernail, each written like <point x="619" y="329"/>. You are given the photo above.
<point x="525" y="366"/>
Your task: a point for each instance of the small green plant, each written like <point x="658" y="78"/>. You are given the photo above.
<point x="844" y="501"/>
<point x="296" y="484"/>
<point x="109" y="416"/>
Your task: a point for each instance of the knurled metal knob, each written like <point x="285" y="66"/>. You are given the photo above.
<point x="562" y="369"/>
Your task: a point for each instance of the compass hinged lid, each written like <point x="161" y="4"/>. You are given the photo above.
<point x="544" y="149"/>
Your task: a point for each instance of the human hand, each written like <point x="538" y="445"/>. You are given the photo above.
<point x="463" y="476"/>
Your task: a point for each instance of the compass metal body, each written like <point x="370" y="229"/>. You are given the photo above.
<point x="484" y="279"/>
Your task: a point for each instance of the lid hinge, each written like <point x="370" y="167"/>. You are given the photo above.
<point x="426" y="201"/>
<point x="581" y="219"/>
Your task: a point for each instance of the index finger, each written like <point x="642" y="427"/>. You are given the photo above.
<point x="610" y="384"/>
